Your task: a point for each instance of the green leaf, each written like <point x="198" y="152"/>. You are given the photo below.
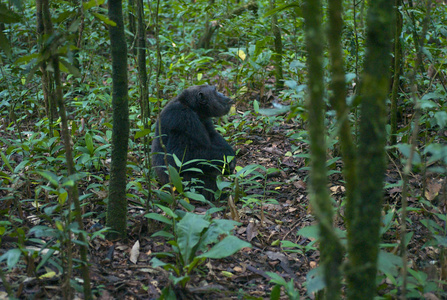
<point x="8" y="16"/>
<point x="89" y="143"/>
<point x="295" y="5"/>
<point x="275" y="278"/>
<point x="405" y="150"/>
<point x="176" y="180"/>
<point x="6" y="161"/>
<point x="12" y="257"/>
<point x="276" y="292"/>
<point x="228" y="246"/>
<point x="441" y="118"/>
<point x="189" y="231"/>
<point x="51" y="177"/>
<point x="274" y="111"/>
<point x="142" y="133"/>
<point x="389" y="263"/>
<point x="104" y="19"/>
<point x="89" y="4"/>
<point x="195" y="196"/>
<point x="4" y="44"/>
<point x="164" y="196"/>
<point x="256" y="106"/>
<point x="167" y="210"/>
<point x="158" y="217"/>
<point x="218" y="228"/>
<point x="310" y="232"/>
<point x="70" y="68"/>
<point x="315" y="280"/>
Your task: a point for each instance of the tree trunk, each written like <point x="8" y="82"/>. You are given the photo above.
<point x="396" y="73"/>
<point x="338" y="100"/>
<point x="277" y="55"/>
<point x="117" y="204"/>
<point x="331" y="251"/>
<point x="363" y="236"/>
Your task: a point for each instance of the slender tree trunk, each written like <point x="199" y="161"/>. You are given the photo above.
<point x="46" y="76"/>
<point x="331" y="251"/>
<point x="132" y="25"/>
<point x="396" y="73"/>
<point x="338" y="101"/>
<point x="277" y="55"/>
<point x="363" y="236"/>
<point x="74" y="194"/>
<point x="117" y="204"/>
<point x="56" y="97"/>
<point x="144" y="89"/>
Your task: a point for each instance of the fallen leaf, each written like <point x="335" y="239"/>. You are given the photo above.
<point x="433" y="188"/>
<point x="135" y="252"/>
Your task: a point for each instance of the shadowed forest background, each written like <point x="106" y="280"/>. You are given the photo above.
<point x="338" y="124"/>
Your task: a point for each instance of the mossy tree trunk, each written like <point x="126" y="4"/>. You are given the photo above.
<point x="331" y="251"/>
<point x="363" y="234"/>
<point x="338" y="100"/>
<point x="117" y="204"/>
<point x="277" y="55"/>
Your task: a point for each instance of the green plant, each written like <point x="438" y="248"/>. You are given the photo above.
<point x="191" y="242"/>
<point x="279" y="282"/>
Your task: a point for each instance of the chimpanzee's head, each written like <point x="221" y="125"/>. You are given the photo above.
<point x="206" y="101"/>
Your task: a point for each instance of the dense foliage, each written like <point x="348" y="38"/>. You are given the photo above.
<point x="229" y="44"/>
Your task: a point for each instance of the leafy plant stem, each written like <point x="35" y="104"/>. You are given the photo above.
<point x="407" y="168"/>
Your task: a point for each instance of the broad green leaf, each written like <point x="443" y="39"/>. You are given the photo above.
<point x="63" y="195"/>
<point x="195" y="196"/>
<point x="176" y="180"/>
<point x="276" y="292"/>
<point x="89" y="143"/>
<point x="70" y="68"/>
<point x="142" y="132"/>
<point x="405" y="150"/>
<point x="164" y="196"/>
<point x="51" y="177"/>
<point x="228" y="246"/>
<point x="389" y="263"/>
<point x="218" y="228"/>
<point x="310" y="232"/>
<point x="189" y="231"/>
<point x="158" y="217"/>
<point x="104" y="19"/>
<point x="167" y="210"/>
<point x="294" y="5"/>
<point x="6" y="161"/>
<point x="441" y="118"/>
<point x="92" y="3"/>
<point x="12" y="257"/>
<point x="315" y="280"/>
<point x="4" y="44"/>
<point x="275" y="278"/>
<point x="165" y="234"/>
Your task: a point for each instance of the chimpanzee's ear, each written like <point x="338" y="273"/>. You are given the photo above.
<point x="202" y="99"/>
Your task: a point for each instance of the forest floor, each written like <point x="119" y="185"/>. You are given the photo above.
<point x="243" y="275"/>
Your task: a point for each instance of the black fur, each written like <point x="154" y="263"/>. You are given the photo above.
<point x="187" y="131"/>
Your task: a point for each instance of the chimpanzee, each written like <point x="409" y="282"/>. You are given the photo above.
<point x="187" y="131"/>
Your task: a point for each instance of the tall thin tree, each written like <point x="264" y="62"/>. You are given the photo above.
<point x="363" y="236"/>
<point x="117" y="203"/>
<point x="330" y="247"/>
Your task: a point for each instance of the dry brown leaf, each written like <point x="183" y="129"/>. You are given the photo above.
<point x="433" y="188"/>
<point x="252" y="231"/>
